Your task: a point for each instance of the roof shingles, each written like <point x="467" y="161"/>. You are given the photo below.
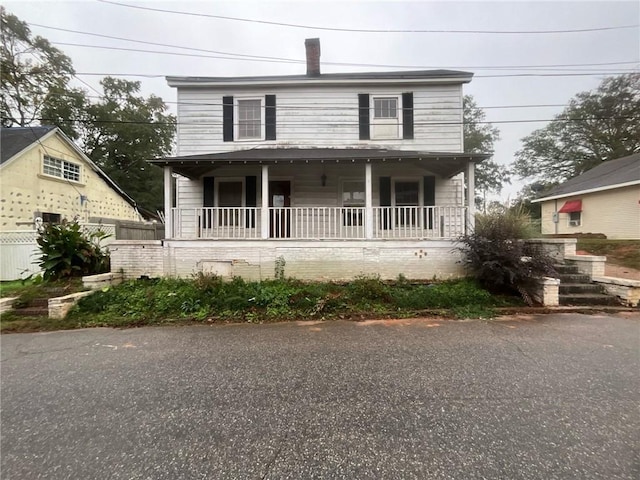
<point x="15" y="139"/>
<point x="606" y="175"/>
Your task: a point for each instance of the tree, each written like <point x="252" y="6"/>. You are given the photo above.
<point x="479" y="137"/>
<point x="32" y="69"/>
<point x="595" y="127"/>
<point x="120" y="132"/>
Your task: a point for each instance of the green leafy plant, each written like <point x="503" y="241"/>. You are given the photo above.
<point x="279" y="267"/>
<point x="500" y="260"/>
<point x="67" y="251"/>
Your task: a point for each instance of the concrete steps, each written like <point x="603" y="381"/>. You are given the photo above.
<point x="577" y="289"/>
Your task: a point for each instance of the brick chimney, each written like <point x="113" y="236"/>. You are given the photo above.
<point x="312" y="46"/>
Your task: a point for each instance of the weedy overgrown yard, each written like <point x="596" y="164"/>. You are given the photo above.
<point x="210" y="299"/>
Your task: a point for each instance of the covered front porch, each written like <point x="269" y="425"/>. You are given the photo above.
<point x="320" y="194"/>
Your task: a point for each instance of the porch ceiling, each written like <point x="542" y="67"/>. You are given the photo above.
<point x="444" y="164"/>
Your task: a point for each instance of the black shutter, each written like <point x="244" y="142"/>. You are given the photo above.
<point x="407" y="115"/>
<point x="429" y="190"/>
<point x="270" y="117"/>
<point x="385" y="201"/>
<point x="227" y="119"/>
<point x="208" y="200"/>
<point x="250" y="199"/>
<point x="363" y="115"/>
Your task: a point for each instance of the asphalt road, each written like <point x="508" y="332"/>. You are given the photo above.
<point x="544" y="397"/>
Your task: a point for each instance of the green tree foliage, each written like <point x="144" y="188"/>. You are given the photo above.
<point x="596" y="126"/>
<point x="33" y="72"/>
<point x="120" y="132"/>
<point x="480" y="137"/>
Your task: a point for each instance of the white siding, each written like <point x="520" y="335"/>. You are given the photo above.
<point x="317" y="116"/>
<point x="306" y="187"/>
<point x="615" y="213"/>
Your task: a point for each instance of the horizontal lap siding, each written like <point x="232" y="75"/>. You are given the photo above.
<point x="321" y="117"/>
<point x="615" y="213"/>
<point x="306" y="184"/>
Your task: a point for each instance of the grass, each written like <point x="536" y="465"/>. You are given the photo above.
<point x="208" y="299"/>
<point x="621" y="252"/>
<point x="14" y="287"/>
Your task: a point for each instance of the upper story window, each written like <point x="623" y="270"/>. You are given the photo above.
<point x="385" y="108"/>
<point x="385" y="116"/>
<point x="249" y="119"/>
<point x="61" y="168"/>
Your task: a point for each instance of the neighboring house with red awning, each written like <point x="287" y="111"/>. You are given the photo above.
<point x="605" y="199"/>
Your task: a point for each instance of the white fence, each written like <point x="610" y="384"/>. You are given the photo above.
<point x="334" y="223"/>
<point x="19" y="250"/>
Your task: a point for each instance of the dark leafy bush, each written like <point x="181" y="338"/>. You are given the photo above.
<point x="67" y="251"/>
<point x="499" y="258"/>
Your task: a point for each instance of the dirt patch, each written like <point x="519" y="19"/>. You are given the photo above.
<point x="618" y="271"/>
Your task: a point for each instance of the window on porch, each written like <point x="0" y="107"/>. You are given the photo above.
<point x="406" y="195"/>
<point x="230" y="195"/>
<point x="353" y="196"/>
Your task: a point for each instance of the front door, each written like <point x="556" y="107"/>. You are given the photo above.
<point x="279" y="214"/>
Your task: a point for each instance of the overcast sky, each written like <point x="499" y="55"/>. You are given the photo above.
<point x="480" y="53"/>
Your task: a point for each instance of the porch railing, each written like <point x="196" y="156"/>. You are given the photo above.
<point x="336" y="223"/>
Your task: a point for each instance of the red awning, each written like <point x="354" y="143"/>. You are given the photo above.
<point x="571" y="206"/>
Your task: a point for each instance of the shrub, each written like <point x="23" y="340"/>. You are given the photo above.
<point x="69" y="252"/>
<point x="496" y="254"/>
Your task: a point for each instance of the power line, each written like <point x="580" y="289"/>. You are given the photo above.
<point x="593" y="73"/>
<point x="335" y="124"/>
<point x="370" y="30"/>
<point x="293" y="60"/>
<point x="341" y="107"/>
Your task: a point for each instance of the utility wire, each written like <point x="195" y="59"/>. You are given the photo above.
<point x="342" y="107"/>
<point x="293" y="60"/>
<point x="594" y="73"/>
<point x="371" y="30"/>
<point x="353" y="124"/>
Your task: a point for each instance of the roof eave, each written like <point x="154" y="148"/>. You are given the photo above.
<point x="195" y="82"/>
<point x="587" y="191"/>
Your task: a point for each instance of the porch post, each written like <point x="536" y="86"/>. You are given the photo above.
<point x="168" y="202"/>
<point x="368" y="201"/>
<point x="264" y="206"/>
<point x="471" y="197"/>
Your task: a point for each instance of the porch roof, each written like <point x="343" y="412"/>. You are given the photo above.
<point x="445" y="164"/>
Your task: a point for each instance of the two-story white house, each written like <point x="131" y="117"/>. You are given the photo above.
<point x="330" y="175"/>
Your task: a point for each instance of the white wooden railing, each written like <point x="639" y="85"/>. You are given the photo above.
<point x="419" y="222"/>
<point x="339" y="223"/>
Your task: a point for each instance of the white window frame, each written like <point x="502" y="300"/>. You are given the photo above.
<point x="399" y="220"/>
<point x="351" y="180"/>
<point x="352" y="218"/>
<point x="397" y="121"/>
<point x="574" y="222"/>
<point x="236" y="116"/>
<point x="420" y="182"/>
<point x="62" y="168"/>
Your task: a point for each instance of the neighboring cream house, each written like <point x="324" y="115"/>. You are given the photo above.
<point x="331" y="175"/>
<point x="44" y="175"/>
<point x="605" y="199"/>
